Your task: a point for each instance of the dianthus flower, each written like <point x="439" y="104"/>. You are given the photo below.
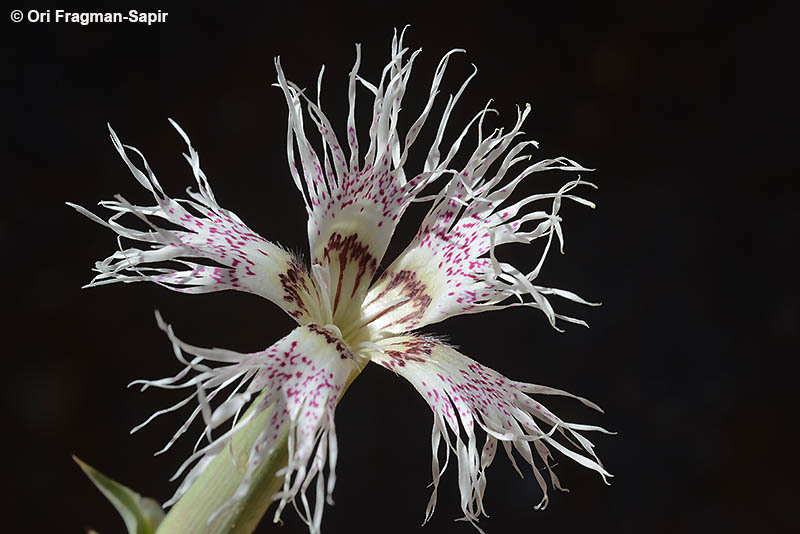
<point x="350" y="314"/>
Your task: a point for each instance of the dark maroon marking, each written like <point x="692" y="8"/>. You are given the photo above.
<point x="292" y="281"/>
<point x="412" y="289"/>
<point x="415" y="349"/>
<point x="341" y="347"/>
<point x="400" y="358"/>
<point x="420" y="346"/>
<point x="349" y="248"/>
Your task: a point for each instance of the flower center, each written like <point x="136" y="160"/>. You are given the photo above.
<point x="338" y="300"/>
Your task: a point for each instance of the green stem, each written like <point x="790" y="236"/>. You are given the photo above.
<point x="221" y="478"/>
<point x="219" y="481"/>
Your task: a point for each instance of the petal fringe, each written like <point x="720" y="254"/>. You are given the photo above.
<point x="461" y="392"/>
<point x="303" y="376"/>
<point x="244" y="260"/>
<point x="451" y="268"/>
<point x="354" y="205"/>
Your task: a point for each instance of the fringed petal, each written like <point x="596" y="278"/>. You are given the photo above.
<point x="302" y="376"/>
<point x="354" y="206"/>
<point x="461" y="392"/>
<point x="451" y="266"/>
<point x="243" y="260"/>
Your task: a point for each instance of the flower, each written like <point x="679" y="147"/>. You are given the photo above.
<point x="347" y="314"/>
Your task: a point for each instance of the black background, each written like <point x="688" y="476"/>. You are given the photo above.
<point x="684" y="108"/>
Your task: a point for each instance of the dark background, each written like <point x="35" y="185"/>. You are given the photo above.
<point x="684" y="108"/>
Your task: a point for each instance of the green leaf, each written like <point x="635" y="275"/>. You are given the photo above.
<point x="141" y="514"/>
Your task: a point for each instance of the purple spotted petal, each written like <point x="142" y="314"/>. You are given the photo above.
<point x="303" y="376"/>
<point x="463" y="393"/>
<point x="240" y="258"/>
<point x="451" y="266"/>
<point x="354" y="205"/>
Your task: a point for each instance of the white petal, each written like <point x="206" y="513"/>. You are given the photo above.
<point x="243" y="260"/>
<point x="354" y="206"/>
<point x="303" y="376"/>
<point x="451" y="266"/>
<point x="461" y="392"/>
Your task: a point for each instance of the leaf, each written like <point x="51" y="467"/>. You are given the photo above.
<point x="141" y="514"/>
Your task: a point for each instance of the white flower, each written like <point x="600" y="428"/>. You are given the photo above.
<point x="346" y="315"/>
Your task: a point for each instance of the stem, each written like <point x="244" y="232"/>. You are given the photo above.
<point x="220" y="479"/>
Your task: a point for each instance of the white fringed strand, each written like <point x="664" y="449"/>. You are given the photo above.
<point x="461" y="393"/>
